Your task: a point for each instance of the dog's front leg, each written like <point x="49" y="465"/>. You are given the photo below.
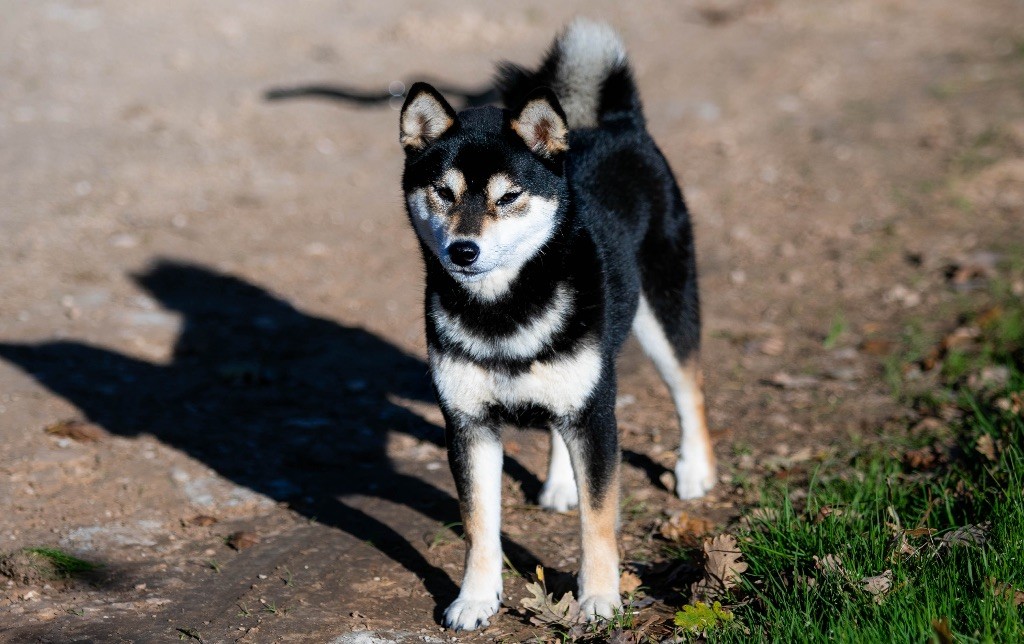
<point x="475" y="456"/>
<point x="594" y="452"/>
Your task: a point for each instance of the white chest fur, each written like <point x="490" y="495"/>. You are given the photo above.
<point x="561" y="385"/>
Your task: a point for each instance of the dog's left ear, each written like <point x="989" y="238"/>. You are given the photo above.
<point x="540" y="122"/>
<point x="425" y="117"/>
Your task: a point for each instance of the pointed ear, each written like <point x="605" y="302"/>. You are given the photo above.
<point x="425" y="117"/>
<point x="540" y="122"/>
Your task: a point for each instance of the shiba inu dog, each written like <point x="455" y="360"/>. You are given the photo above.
<point x="549" y="230"/>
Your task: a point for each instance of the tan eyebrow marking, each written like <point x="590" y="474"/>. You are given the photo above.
<point x="455" y="180"/>
<point x="498" y="185"/>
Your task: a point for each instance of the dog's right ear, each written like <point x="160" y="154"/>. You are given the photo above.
<point x="425" y="117"/>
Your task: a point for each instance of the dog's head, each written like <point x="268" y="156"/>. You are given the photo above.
<point x="484" y="188"/>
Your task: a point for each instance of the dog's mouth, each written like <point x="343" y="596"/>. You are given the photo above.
<point x="469" y="274"/>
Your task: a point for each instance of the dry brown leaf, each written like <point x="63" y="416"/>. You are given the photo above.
<point x="202" y="520"/>
<point x="876" y="347"/>
<point x="564" y="612"/>
<point x="831" y="564"/>
<point x="877" y="586"/>
<point x="759" y="518"/>
<point x="960" y="337"/>
<point x="241" y="540"/>
<point x="668" y="481"/>
<point x="827" y="511"/>
<point x="986" y="447"/>
<point x="899" y="547"/>
<point x="968" y="535"/>
<point x="621" y="636"/>
<point x="1014" y="403"/>
<point x="1007" y="591"/>
<point x="787" y="460"/>
<point x="788" y="381"/>
<point x="722" y="568"/>
<point x="77" y="430"/>
<point x="989" y="316"/>
<point x="628" y="582"/>
<point x="686" y="530"/>
<point x="942" y="632"/>
<point x="924" y="458"/>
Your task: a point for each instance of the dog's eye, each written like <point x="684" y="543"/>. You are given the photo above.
<point x="509" y="197"/>
<point x="445" y="193"/>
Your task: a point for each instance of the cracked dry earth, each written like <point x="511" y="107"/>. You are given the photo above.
<point x="224" y="290"/>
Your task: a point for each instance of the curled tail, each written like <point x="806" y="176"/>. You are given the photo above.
<point x="587" y="69"/>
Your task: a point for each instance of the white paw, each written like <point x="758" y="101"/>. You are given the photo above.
<point x="470" y="614"/>
<point x="599" y="606"/>
<point x="559" y="496"/>
<point x="694" y="478"/>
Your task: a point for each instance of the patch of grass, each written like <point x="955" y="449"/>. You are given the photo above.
<point x="988" y="147"/>
<point x="835" y="331"/>
<point x="882" y="553"/>
<point x="62" y="562"/>
<point x="509" y="570"/>
<point x="914" y="344"/>
<point x="623" y="619"/>
<point x="633" y="508"/>
<point x="441" y="536"/>
<point x="189" y="634"/>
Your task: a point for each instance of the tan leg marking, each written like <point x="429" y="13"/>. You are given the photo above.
<point x="599" y="569"/>
<point x="693" y="382"/>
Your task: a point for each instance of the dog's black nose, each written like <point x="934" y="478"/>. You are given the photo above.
<point x="464" y="253"/>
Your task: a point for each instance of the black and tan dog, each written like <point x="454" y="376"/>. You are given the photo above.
<point x="549" y="231"/>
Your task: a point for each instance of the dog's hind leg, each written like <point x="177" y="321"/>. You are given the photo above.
<point x="667" y="324"/>
<point x="559" y="492"/>
<point x="475" y="456"/>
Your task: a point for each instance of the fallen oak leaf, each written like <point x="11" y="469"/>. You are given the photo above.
<point x="1006" y="591"/>
<point x="564" y="612"/>
<point x="923" y="458"/>
<point x="685" y="529"/>
<point x="986" y="446"/>
<point x="900" y="547"/>
<point x="628" y="582"/>
<point x="877" y="586"/>
<point x="722" y="568"/>
<point x="760" y="518"/>
<point x="1014" y="403"/>
<point x="831" y="564"/>
<point x="969" y="535"/>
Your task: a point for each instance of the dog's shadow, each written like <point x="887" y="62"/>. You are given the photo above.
<point x="292" y="406"/>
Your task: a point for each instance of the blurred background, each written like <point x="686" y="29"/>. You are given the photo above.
<point x="210" y="303"/>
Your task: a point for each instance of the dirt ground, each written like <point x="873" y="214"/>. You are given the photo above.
<point x="227" y="291"/>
